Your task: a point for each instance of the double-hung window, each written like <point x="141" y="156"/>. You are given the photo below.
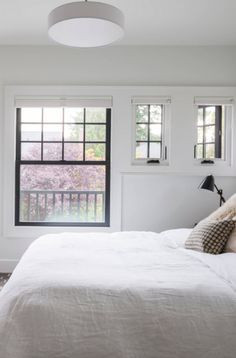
<point x="213" y="122"/>
<point x="63" y="163"/>
<point x="151" y="118"/>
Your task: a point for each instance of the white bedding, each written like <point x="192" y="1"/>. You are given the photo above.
<point x="122" y="295"/>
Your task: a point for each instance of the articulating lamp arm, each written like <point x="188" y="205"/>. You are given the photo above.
<point x="220" y="193"/>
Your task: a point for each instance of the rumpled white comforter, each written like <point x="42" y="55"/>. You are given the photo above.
<point x="121" y="295"/>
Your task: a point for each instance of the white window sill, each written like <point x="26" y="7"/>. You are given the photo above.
<point x="217" y="163"/>
<point x="144" y="163"/>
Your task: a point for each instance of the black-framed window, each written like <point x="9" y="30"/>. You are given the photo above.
<point x="63" y="166"/>
<point x="210" y="132"/>
<point x="149" y="119"/>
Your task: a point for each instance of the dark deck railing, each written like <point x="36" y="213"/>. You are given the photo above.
<point x="62" y="205"/>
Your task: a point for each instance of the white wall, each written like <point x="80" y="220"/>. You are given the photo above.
<point x="203" y="66"/>
<point x="172" y="201"/>
<point x="181" y="203"/>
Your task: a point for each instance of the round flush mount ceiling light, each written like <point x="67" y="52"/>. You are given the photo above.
<point x="86" y="24"/>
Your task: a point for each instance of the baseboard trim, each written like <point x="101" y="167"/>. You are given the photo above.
<point x="7" y="265"/>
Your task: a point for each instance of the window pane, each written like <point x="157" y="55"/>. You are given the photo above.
<point x="75" y="115"/>
<point x="210" y="134"/>
<point x="52" y="151"/>
<point x="62" y="193"/>
<point x="73" y="132"/>
<point x="31" y="115"/>
<point x="210" y="115"/>
<point x="73" y="151"/>
<point x="52" y="132"/>
<point x="30" y="151"/>
<point x="95" y="133"/>
<point x="31" y="132"/>
<point x="155" y="113"/>
<point x="141" y="113"/>
<point x="95" y="115"/>
<point x="54" y="115"/>
<point x="199" y="154"/>
<point x="210" y="151"/>
<point x="155" y="131"/>
<point x="155" y="150"/>
<point x="141" y="150"/>
<point x="95" y="151"/>
<point x="200" y="134"/>
<point x="141" y="131"/>
<point x="200" y="117"/>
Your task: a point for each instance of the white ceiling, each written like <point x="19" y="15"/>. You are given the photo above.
<point x="148" y="22"/>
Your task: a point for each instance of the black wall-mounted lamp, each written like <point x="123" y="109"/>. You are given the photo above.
<point x="208" y="183"/>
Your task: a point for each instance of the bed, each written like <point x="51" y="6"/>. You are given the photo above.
<point x="120" y="295"/>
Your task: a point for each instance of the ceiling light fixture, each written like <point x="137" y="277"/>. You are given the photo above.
<point x="86" y="24"/>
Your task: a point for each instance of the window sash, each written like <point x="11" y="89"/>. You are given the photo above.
<point x="62" y="141"/>
<point x="217" y="132"/>
<point x="149" y="141"/>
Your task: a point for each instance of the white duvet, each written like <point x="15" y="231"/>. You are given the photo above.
<point x="122" y="295"/>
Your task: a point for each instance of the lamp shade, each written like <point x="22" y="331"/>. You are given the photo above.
<point x="208" y="183"/>
<point x="86" y="24"/>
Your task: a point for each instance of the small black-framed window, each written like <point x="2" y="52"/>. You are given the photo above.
<point x="149" y="132"/>
<point x="62" y="166"/>
<point x="210" y="132"/>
